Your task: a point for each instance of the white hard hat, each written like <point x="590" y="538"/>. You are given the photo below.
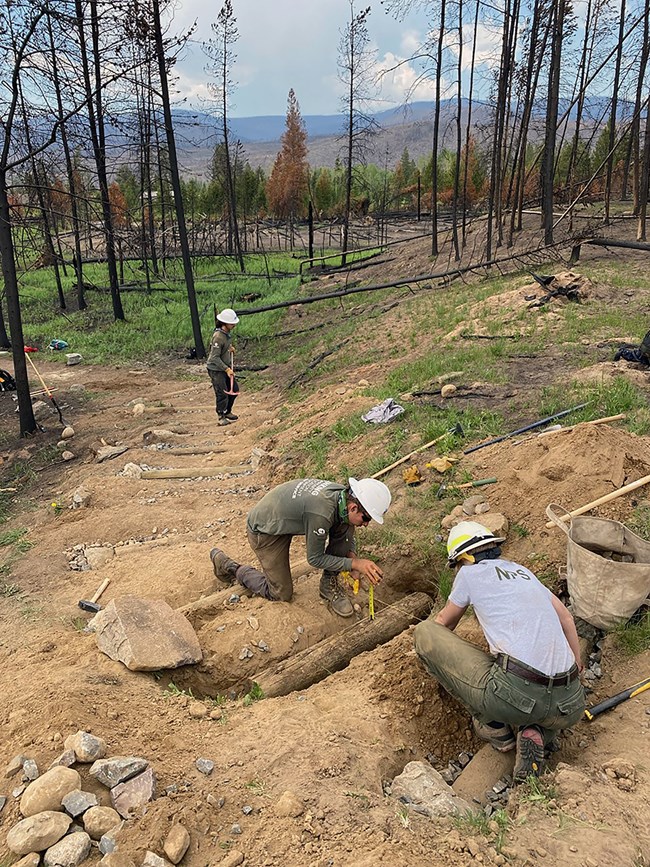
<point x="373" y="495"/>
<point x="228" y="316"/>
<point x="468" y="536"/>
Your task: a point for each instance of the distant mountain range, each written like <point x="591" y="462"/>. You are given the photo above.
<point x="407" y="126"/>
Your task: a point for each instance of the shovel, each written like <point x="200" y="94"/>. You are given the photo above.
<point x="477" y="484"/>
<point x="232" y="378"/>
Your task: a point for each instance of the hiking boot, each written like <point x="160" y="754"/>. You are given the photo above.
<point x="223" y="419"/>
<point x="337" y="598"/>
<point x="224" y="568"/>
<point x="498" y="734"/>
<point x="530" y="753"/>
<point x="231" y="416"/>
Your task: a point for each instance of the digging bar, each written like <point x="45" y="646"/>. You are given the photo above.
<point x="528" y="427"/>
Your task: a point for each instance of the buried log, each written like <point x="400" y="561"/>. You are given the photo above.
<point x="196" y="472"/>
<point x="334" y="653"/>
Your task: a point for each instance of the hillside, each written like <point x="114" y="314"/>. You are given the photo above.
<point x="306" y="778"/>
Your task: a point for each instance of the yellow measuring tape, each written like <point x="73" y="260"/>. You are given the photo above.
<point x="347" y="578"/>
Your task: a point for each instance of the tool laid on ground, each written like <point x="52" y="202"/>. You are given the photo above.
<point x="456" y="429"/>
<point x="232" y="376"/>
<point x="46" y="389"/>
<point x="91" y="604"/>
<point x="615" y="700"/>
<point x="559" y="429"/>
<point x="528" y="427"/>
<point x="602" y="500"/>
<point x="477" y="484"/>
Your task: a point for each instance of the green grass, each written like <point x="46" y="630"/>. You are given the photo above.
<point x="255" y="694"/>
<point x="634" y="637"/>
<point x="15" y="539"/>
<point x="495" y="827"/>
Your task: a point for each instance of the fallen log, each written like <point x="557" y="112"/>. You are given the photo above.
<point x="334" y="653"/>
<point x="196" y="472"/>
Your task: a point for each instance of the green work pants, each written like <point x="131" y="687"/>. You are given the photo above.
<point x="490" y="693"/>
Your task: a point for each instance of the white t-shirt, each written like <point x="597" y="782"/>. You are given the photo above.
<point x="515" y="612"/>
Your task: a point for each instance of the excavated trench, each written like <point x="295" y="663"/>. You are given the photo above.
<point x="289" y="646"/>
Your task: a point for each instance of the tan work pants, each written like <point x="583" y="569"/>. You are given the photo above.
<point x="275" y="582"/>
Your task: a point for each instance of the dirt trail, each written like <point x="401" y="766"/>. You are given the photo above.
<point x="335" y="745"/>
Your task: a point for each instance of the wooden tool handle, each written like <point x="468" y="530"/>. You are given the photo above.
<point x="409" y="455"/>
<point x="602" y="500"/>
<point x="101" y="589"/>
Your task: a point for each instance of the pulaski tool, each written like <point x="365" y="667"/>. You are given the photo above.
<point x="91" y="604"/>
<point x="232" y="378"/>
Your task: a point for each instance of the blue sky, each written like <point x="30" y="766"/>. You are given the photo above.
<point x="294" y="43"/>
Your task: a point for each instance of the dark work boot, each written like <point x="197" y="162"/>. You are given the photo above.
<point x="337" y="598"/>
<point x="230" y="415"/>
<point x="224" y="568"/>
<point x="223" y="420"/>
<point x="529" y="760"/>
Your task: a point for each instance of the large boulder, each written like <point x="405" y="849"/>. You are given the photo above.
<point x="38" y="832"/>
<point x="48" y="791"/>
<point x="423" y="789"/>
<point x="146" y="634"/>
<point x="69" y="852"/>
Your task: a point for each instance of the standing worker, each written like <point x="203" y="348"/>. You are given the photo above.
<point x="326" y="514"/>
<point x="219" y="366"/>
<point x="528" y="687"/>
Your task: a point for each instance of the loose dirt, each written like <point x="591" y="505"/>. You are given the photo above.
<point x="337" y="744"/>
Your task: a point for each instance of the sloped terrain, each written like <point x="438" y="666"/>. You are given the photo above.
<point x="338" y="744"/>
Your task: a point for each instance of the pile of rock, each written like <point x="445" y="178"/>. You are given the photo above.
<point x="476" y="508"/>
<point x="65" y="822"/>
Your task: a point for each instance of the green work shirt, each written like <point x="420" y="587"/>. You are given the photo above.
<point x="304" y="507"/>
<point x="219" y="358"/>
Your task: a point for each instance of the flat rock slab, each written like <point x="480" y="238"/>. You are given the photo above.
<point x="128" y="798"/>
<point x="38" y="832"/>
<point x="486" y="768"/>
<point x="117" y="769"/>
<point x="69" y="852"/>
<point x="423" y="789"/>
<point x="76" y="803"/>
<point x="146" y="634"/>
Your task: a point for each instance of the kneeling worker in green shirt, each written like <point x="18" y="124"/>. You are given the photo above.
<point x="527" y="688"/>
<point x="326" y="514"/>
